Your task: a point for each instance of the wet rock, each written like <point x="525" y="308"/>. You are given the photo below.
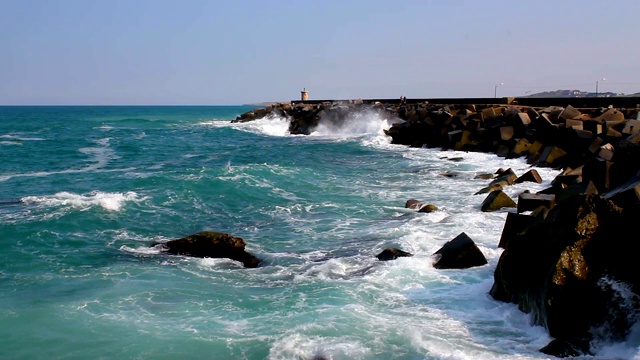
<point x="209" y="244"/>
<point x="531" y="175"/>
<point x="562" y="349"/>
<point x="392" y="254"/>
<point x="428" y="208"/>
<point x="497" y="200"/>
<point x="576" y="271"/>
<point x="459" y="253"/>
<point x="413" y="204"/>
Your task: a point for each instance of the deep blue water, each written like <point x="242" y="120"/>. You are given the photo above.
<point x="85" y="190"/>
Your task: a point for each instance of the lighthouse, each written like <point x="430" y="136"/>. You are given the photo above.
<point x="304" y="94"/>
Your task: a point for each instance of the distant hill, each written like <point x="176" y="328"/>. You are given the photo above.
<point x="575" y="94"/>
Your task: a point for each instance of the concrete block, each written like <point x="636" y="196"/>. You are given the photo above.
<point x="576" y="124"/>
<point x="536" y="147"/>
<point x="533" y="158"/>
<point x="595" y="145"/>
<point x="506" y="133"/>
<point x="579" y="188"/>
<point x="613" y="133"/>
<point x="521" y="147"/>
<point x="569" y="112"/>
<point x="530" y="176"/>
<point x="529" y="201"/>
<point x="584" y="134"/>
<point x="605" y="153"/>
<point x="626" y="194"/>
<point x="514" y="224"/>
<point x="454" y="136"/>
<point x="592" y="125"/>
<point x="562" y="181"/>
<point x="631" y="127"/>
<point x="598" y="171"/>
<point x="551" y="155"/>
<point x="488" y="113"/>
<point x="524" y="118"/>
<point x="611" y="115"/>
<point x="497" y="200"/>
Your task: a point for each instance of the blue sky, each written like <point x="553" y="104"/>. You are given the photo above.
<point x="195" y="52"/>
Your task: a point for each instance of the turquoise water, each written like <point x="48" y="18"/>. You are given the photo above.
<point x="85" y="190"/>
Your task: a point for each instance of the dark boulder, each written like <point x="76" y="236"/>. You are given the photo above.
<point x="459" y="253"/>
<point x="428" y="208"/>
<point x="413" y="204"/>
<point x="392" y="254"/>
<point x="562" y="349"/>
<point x="497" y="200"/>
<point x="209" y="244"/>
<point x="575" y="271"/>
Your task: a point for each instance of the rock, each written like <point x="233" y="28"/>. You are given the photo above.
<point x="484" y="176"/>
<point x="392" y="254"/>
<point x="531" y="176"/>
<point x="459" y="253"/>
<point x="490" y="188"/>
<point x="497" y="200"/>
<point x="413" y="204"/>
<point x="573" y="270"/>
<point x="506" y="178"/>
<point x="562" y="349"/>
<point x="528" y="201"/>
<point x="209" y="244"/>
<point x="428" y="208"/>
<point x="514" y="224"/>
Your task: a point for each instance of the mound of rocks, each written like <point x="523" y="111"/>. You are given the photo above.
<point x="569" y="250"/>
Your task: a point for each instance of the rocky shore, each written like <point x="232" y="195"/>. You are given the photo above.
<point x="569" y="250"/>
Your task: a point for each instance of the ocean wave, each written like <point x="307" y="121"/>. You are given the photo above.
<point x="20" y="138"/>
<point x="359" y="124"/>
<point x="271" y="125"/>
<point x="105" y="200"/>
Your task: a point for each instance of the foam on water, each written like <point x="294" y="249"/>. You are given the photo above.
<point x="20" y="137"/>
<point x="270" y="125"/>
<point x="107" y="201"/>
<point x="358" y="124"/>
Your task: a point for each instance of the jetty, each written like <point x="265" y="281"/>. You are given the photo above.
<point x="569" y="251"/>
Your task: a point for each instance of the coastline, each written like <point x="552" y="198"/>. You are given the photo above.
<point x="597" y="150"/>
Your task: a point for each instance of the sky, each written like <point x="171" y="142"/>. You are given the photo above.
<point x="196" y="52"/>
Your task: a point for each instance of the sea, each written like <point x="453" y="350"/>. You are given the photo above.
<point x="86" y="190"/>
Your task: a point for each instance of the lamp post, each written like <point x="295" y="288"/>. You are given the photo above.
<point x="603" y="79"/>
<point x="495" y="90"/>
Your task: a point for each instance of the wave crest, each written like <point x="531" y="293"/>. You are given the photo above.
<point x="105" y="200"/>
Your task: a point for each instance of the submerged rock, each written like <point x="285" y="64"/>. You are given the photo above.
<point x="392" y="254"/>
<point x="210" y="244"/>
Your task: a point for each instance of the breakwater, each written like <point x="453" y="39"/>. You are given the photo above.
<point x="568" y="258"/>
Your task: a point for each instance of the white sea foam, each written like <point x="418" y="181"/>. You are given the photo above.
<point x="107" y="201"/>
<point x="298" y="346"/>
<point x="20" y="138"/>
<point x="357" y="124"/>
<point x="271" y="125"/>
